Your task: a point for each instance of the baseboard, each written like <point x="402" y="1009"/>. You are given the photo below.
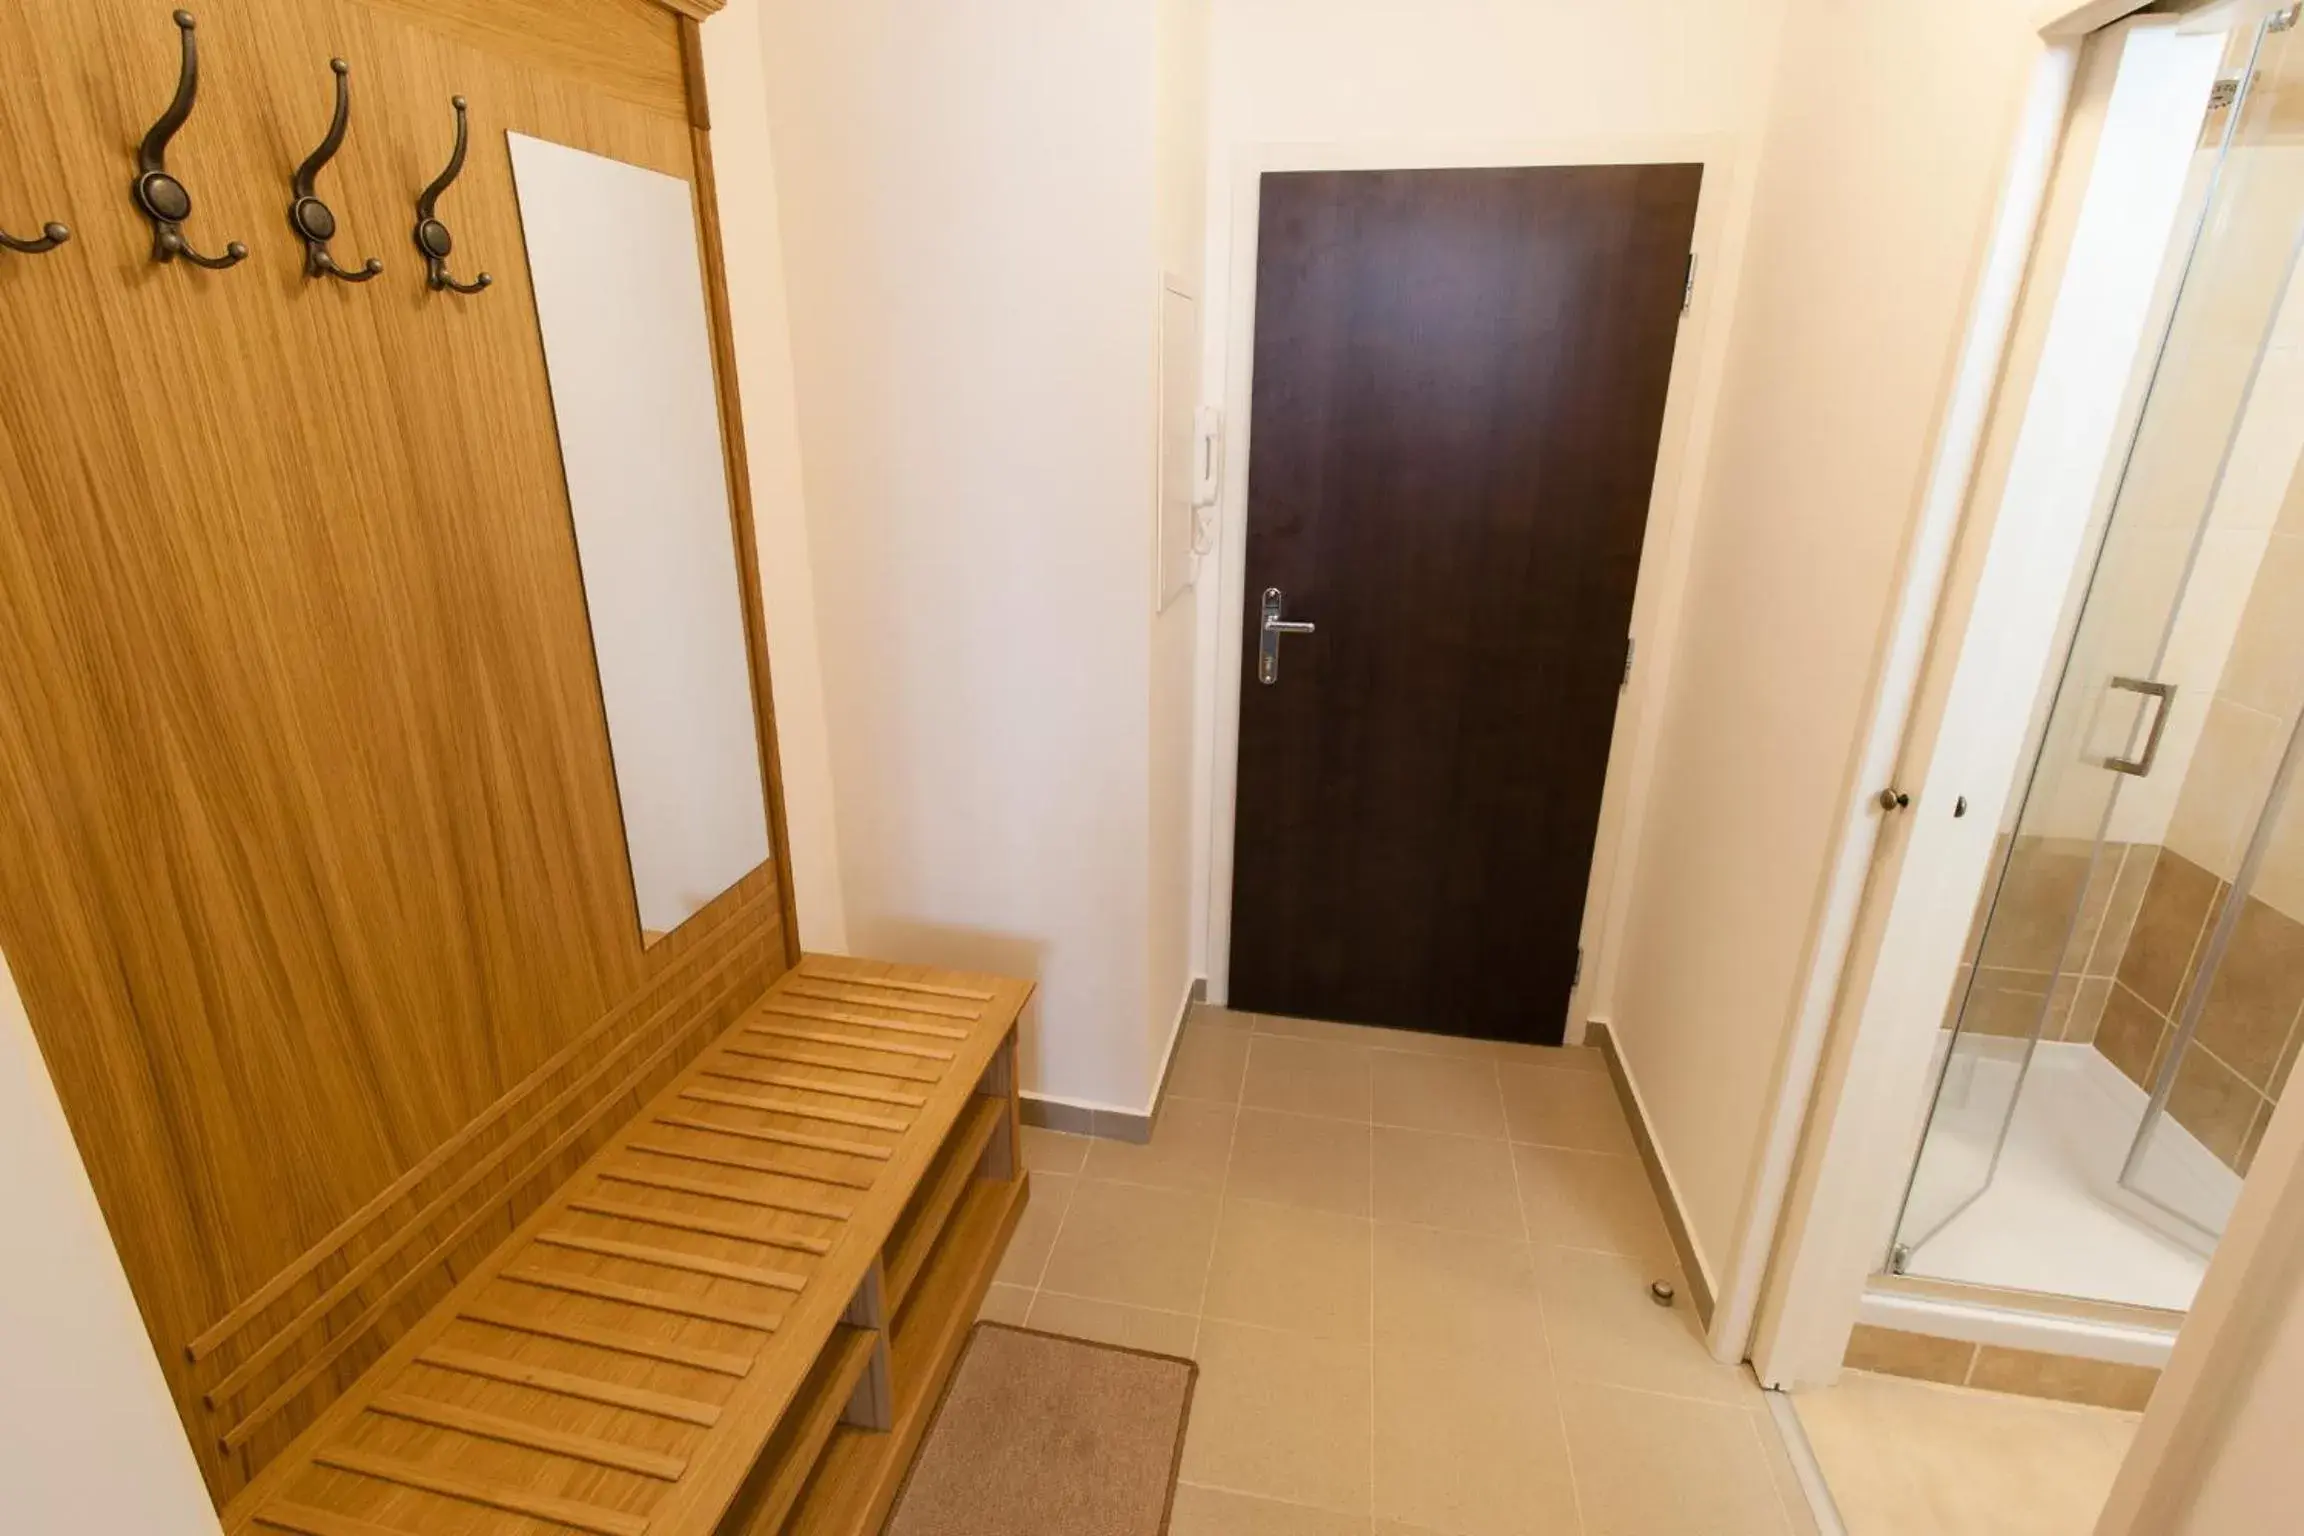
<point x="1675" y="1220"/>
<point x="1051" y="1114"/>
<point x="1196" y="993"/>
<point x="1110" y="1121"/>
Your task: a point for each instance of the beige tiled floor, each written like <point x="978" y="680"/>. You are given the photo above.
<point x="1415" y="1274"/>
<point x="1910" y="1458"/>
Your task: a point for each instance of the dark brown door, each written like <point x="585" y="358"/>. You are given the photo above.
<point x="1460" y="382"/>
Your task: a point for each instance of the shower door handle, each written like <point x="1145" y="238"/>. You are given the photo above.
<point x="2163" y="696"/>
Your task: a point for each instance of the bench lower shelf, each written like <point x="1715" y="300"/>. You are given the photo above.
<point x="857" y="1477"/>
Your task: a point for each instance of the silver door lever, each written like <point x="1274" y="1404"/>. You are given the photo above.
<point x="1268" y="642"/>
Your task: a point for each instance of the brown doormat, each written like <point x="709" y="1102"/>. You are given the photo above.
<point x="1045" y="1436"/>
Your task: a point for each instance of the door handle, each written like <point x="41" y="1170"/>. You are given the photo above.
<point x="2164" y="695"/>
<point x="1268" y="639"/>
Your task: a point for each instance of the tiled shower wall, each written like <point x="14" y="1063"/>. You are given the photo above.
<point x="2144" y="921"/>
<point x="2235" y="651"/>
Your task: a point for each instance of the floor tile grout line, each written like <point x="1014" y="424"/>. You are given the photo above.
<point x="1242" y="1105"/>
<point x="1372" y="1383"/>
<point x="1543" y="1320"/>
<point x="1223" y="1200"/>
<point x="1268" y="1498"/>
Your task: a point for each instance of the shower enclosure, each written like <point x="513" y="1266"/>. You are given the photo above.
<point x="2127" y="1010"/>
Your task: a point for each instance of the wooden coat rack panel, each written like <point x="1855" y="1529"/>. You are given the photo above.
<point x="312" y="871"/>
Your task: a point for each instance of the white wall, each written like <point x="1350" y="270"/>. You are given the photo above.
<point x="970" y="242"/>
<point x="1878" y="176"/>
<point x="2216" y="1454"/>
<point x="1180" y="99"/>
<point x="89" y="1440"/>
<point x="1346" y="83"/>
<point x="752" y="241"/>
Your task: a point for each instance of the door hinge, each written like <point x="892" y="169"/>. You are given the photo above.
<point x="1576" y="976"/>
<point x="1688" y="288"/>
<point x="1631" y="648"/>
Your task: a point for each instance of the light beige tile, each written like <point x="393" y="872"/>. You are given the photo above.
<point x="1602" y="1327"/>
<point x="1036" y="1229"/>
<point x="1458" y="1293"/>
<point x="1446" y="1181"/>
<point x="1436" y="1093"/>
<point x="1281" y="1267"/>
<point x="1318" y="1029"/>
<point x="1599" y="1200"/>
<point x="1132" y="1244"/>
<point x="1661" y="1466"/>
<point x="1320" y="1165"/>
<point x="2266" y="667"/>
<point x="2224" y="785"/>
<point x="1418" y="1042"/>
<point x="1553" y="1108"/>
<point x="1414" y="1042"/>
<point x="1213" y="1512"/>
<point x="1009" y="1304"/>
<point x="1910" y="1458"/>
<point x="1209" y="1064"/>
<point x="1560" y="1058"/>
<point x="1469" y="1444"/>
<point x="1109" y="1322"/>
<point x="1282" y="1416"/>
<point x="1047" y="1151"/>
<point x="1191" y="1143"/>
<point x="1307" y="1077"/>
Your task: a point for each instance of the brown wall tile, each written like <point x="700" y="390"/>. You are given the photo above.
<point x="2129" y="1035"/>
<point x="2006" y="1003"/>
<point x="2168" y="925"/>
<point x="2211" y="1101"/>
<point x="2080" y="1016"/>
<point x="2255" y="1139"/>
<point x="2254" y="996"/>
<point x="2045" y="883"/>
<point x="2064" y="1378"/>
<point x="1893" y="1352"/>
<point x="2119" y="923"/>
<point x="2095" y="902"/>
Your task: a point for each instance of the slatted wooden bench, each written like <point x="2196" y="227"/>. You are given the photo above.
<point x="735" y="1318"/>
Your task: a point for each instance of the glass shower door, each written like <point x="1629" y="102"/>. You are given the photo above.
<point x="2119" y="720"/>
<point x="2227" y="1049"/>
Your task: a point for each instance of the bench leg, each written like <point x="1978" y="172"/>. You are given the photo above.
<point x="1003" y="1153"/>
<point x="873" y="1404"/>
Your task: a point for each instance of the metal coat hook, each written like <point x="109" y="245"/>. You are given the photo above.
<point x="160" y="196"/>
<point x="314" y="219"/>
<point x="52" y="235"/>
<point x="432" y="237"/>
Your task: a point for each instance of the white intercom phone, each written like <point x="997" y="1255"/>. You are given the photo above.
<point x="1207" y="475"/>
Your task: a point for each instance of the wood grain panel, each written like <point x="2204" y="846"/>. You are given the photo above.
<point x="549" y="1395"/>
<point x="311" y="864"/>
<point x="626" y="48"/>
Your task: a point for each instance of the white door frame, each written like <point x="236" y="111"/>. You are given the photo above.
<point x="1869" y="1111"/>
<point x="1689" y="406"/>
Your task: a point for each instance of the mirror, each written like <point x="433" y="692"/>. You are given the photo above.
<point x="619" y="281"/>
